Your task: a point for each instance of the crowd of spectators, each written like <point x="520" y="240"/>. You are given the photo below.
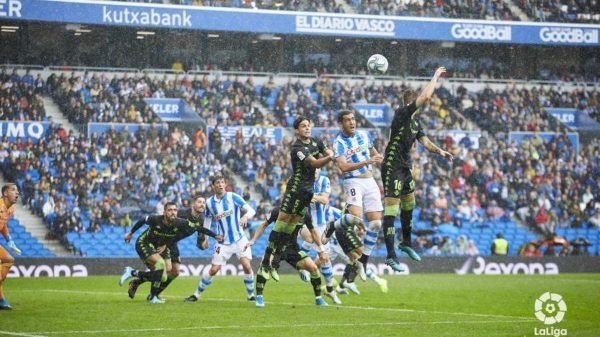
<point x="75" y="180"/>
<point x="21" y="96"/>
<point x="80" y="183"/>
<point x="465" y="9"/>
<point x="284" y="5"/>
<point x="96" y="98"/>
<point x="579" y="11"/>
<point x="493" y="181"/>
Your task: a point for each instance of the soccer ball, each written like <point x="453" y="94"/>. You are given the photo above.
<point x="377" y="64"/>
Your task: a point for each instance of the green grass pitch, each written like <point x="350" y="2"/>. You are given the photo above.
<point x="416" y="305"/>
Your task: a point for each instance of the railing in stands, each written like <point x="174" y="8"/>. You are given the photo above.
<point x="306" y="76"/>
<point x="22" y="66"/>
<point x="97" y="69"/>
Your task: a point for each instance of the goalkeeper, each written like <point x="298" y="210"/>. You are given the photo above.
<point x="10" y="195"/>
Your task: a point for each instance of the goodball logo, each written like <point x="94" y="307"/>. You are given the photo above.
<point x="550" y="308"/>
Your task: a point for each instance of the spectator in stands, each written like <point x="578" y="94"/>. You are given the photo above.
<point x="28" y="188"/>
<point x="493" y="211"/>
<point x="595" y="219"/>
<point x="500" y="245"/>
<point x="472" y="249"/>
<point x="461" y="245"/>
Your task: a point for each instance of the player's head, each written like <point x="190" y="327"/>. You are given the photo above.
<point x="218" y="185"/>
<point x="347" y="122"/>
<point x="170" y="211"/>
<point x="198" y="204"/>
<point x="302" y="127"/>
<point x="409" y="96"/>
<point x="317" y="173"/>
<point x="10" y="192"/>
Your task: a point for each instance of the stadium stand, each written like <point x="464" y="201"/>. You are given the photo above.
<point x="581" y="11"/>
<point x="503" y="183"/>
<point x="20" y="97"/>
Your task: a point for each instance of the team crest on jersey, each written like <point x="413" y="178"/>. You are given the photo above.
<point x="300" y="155"/>
<point x="414" y="126"/>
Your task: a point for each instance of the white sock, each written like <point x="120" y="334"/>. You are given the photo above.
<point x="249" y="283"/>
<point x="327" y="271"/>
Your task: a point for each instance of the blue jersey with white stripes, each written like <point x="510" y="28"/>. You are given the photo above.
<point x="225" y="216"/>
<point x="317" y="209"/>
<point x="333" y="213"/>
<point x="356" y="149"/>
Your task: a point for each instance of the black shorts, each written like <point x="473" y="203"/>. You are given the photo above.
<point x="146" y="249"/>
<point x="293" y="254"/>
<point x="397" y="181"/>
<point x="348" y="240"/>
<point x="296" y="203"/>
<point x="174" y="250"/>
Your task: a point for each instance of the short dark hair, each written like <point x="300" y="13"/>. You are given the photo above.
<point x="215" y="179"/>
<point x="299" y="120"/>
<point x="409" y="96"/>
<point x="198" y="196"/>
<point x="342" y="114"/>
<point x="6" y="186"/>
<point x="170" y="203"/>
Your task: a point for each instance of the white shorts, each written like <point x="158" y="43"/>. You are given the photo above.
<point x="223" y="253"/>
<point x="364" y="193"/>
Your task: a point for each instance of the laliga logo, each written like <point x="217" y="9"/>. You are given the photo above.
<point x="481" y="32"/>
<point x="550" y="309"/>
<point x="569" y="35"/>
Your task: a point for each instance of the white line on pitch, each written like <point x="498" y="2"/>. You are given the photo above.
<point x="298" y="304"/>
<point x="22" y="334"/>
<point x="275" y="326"/>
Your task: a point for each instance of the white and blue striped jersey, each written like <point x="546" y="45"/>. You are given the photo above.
<point x="333" y="213"/>
<point x="317" y="209"/>
<point x="356" y="149"/>
<point x="224" y="216"/>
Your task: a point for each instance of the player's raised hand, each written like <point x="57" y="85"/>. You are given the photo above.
<point x="439" y="71"/>
<point x="128" y="237"/>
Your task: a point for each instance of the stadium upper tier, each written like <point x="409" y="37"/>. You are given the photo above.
<point x="581" y="11"/>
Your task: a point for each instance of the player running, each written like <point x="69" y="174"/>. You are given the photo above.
<point x="152" y="247"/>
<point x="223" y="211"/>
<point x="193" y="214"/>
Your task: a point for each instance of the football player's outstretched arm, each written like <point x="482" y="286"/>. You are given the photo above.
<point x="428" y="91"/>
<point x="428" y="144"/>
